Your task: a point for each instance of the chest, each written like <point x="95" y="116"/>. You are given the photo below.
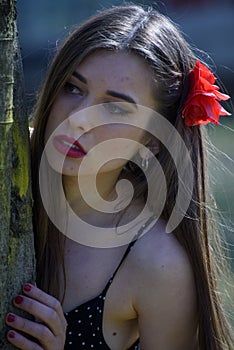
<point x="88" y="271"/>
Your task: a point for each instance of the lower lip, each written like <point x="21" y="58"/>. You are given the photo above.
<point x="66" y="150"/>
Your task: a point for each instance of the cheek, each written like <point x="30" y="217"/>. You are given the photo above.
<point x="128" y="133"/>
<point x="123" y="131"/>
<point x="114" y="153"/>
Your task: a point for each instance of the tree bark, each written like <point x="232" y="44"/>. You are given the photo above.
<point x="17" y="261"/>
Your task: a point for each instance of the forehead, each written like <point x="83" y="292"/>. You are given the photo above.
<point x="120" y="62"/>
<point x="119" y="70"/>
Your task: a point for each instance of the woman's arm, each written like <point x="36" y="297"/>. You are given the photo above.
<point x="50" y="332"/>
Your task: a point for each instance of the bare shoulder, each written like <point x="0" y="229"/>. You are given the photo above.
<point x="164" y="291"/>
<point x="160" y="253"/>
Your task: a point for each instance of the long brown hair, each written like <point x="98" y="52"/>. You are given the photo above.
<point x="159" y="42"/>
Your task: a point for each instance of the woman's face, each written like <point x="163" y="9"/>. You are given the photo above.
<point x="96" y="104"/>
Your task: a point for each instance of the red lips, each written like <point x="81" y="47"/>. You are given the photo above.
<point x="68" y="146"/>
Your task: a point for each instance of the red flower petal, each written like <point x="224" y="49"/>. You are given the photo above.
<point x="220" y="96"/>
<point x="205" y="72"/>
<point x="202" y="104"/>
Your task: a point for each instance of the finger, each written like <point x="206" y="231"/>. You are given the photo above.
<point x="45" y="313"/>
<point x="33" y="292"/>
<point x="38" y="331"/>
<point x="20" y="342"/>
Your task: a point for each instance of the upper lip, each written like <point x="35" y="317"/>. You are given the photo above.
<point x="70" y="140"/>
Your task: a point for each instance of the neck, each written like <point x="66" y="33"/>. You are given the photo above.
<point x="87" y="187"/>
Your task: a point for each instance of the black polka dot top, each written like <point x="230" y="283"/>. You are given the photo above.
<point x="84" y="330"/>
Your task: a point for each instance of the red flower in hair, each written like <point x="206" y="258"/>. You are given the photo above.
<point x="202" y="106"/>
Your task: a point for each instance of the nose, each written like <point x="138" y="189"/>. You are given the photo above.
<point x="84" y="119"/>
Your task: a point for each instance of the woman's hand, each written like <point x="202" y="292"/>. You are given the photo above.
<point x="50" y="331"/>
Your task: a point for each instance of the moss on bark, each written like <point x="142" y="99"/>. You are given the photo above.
<point x="17" y="259"/>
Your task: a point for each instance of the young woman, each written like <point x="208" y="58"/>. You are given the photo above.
<point x="126" y="81"/>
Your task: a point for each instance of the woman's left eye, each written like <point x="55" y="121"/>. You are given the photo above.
<point x="72" y="89"/>
<point x="115" y="109"/>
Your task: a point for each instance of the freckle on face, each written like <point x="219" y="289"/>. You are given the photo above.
<point x="124" y="79"/>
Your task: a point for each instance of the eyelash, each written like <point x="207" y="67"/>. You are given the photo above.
<point x="120" y="110"/>
<point x="68" y="87"/>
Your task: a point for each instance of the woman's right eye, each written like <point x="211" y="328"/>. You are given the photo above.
<point x="72" y="89"/>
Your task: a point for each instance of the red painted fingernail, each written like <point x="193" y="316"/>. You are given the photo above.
<point x="27" y="288"/>
<point x="10" y="318"/>
<point x="11" y="334"/>
<point x="18" y="299"/>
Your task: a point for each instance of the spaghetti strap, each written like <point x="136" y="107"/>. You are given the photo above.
<point x="85" y="321"/>
<point x="131" y="244"/>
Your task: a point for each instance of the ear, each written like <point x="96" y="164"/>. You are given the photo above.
<point x="152" y="146"/>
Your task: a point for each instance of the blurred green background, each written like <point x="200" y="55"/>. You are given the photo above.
<point x="207" y="24"/>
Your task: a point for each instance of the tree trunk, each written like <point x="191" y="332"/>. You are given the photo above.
<point x="17" y="260"/>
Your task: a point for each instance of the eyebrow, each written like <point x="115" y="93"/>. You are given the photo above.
<point x="108" y="92"/>
<point x="80" y="77"/>
<point x="121" y="96"/>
